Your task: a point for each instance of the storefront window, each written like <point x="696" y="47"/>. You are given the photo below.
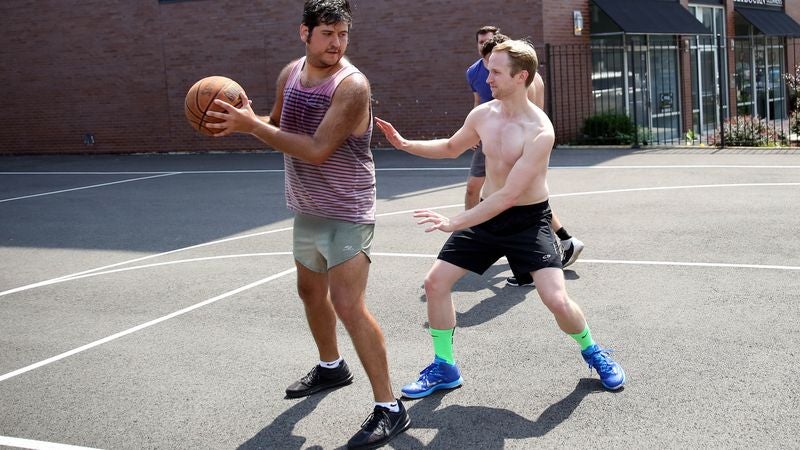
<point x="608" y="67"/>
<point x="758" y="71"/>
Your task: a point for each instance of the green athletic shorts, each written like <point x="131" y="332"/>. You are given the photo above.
<point x="320" y="243"/>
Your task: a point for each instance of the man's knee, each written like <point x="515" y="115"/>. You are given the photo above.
<point x="436" y="285"/>
<point x="312" y="294"/>
<point x="556" y="300"/>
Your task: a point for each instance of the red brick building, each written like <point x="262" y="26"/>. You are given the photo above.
<point x="111" y="76"/>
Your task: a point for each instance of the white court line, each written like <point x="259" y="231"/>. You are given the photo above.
<point x="421" y="169"/>
<point x="667" y="188"/>
<point x="181" y="172"/>
<point x="39" y="445"/>
<point x="205" y="244"/>
<point x="167" y="263"/>
<point x="409" y="211"/>
<point x="428" y="191"/>
<point x="413" y="255"/>
<point x="292" y="270"/>
<point x="573" y="194"/>
<point x="144" y="325"/>
<point x="143" y="258"/>
<point x="417" y="169"/>
<point x="689" y="264"/>
<point x="632" y="263"/>
<point x="87" y="187"/>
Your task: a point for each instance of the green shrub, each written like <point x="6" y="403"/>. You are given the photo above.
<point x="609" y="129"/>
<point x="794" y="122"/>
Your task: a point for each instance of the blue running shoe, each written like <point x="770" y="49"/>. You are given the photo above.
<point x="611" y="374"/>
<point x="438" y="375"/>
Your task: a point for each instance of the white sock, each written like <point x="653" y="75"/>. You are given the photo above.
<point x="391" y="406"/>
<point x="330" y="365"/>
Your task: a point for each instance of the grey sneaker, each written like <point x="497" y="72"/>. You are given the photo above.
<point x="572" y="249"/>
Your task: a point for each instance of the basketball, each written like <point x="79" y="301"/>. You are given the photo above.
<point x="200" y="100"/>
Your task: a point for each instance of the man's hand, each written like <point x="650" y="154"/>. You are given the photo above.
<point x="391" y="134"/>
<point x="234" y="120"/>
<point x="437" y="221"/>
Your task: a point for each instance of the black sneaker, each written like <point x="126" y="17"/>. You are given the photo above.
<point x="320" y="379"/>
<point x="521" y="280"/>
<point x="380" y="427"/>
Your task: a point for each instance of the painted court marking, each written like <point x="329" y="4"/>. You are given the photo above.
<point x="408" y="211"/>
<point x="415" y="169"/>
<point x="39" y="445"/>
<point x="103" y="270"/>
<point x="145" y="325"/>
<point x="143" y="258"/>
<point x="87" y="187"/>
<point x="292" y="270"/>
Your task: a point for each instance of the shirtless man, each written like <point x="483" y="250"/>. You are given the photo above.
<point x="488" y="37"/>
<point x="513" y="220"/>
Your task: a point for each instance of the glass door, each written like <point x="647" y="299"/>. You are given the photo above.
<point x="776" y="88"/>
<point x="743" y="76"/>
<point x="710" y="104"/>
<point x="637" y="85"/>
<point x="665" y="111"/>
<point x="760" y="57"/>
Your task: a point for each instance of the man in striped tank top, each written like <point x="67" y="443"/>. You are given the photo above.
<point x="513" y="220"/>
<point x="322" y="123"/>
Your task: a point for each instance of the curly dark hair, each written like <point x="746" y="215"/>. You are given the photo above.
<point x="486" y="29"/>
<point x="489" y="45"/>
<point x="328" y="12"/>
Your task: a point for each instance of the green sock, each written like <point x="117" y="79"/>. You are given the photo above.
<point x="584" y="338"/>
<point x="443" y="344"/>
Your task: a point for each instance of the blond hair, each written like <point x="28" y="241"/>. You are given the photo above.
<point x="522" y="55"/>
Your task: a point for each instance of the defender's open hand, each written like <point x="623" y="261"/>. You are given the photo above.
<point x="391" y="134"/>
<point x="437" y="221"/>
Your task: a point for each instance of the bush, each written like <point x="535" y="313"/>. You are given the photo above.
<point x="794" y="122"/>
<point x="749" y="131"/>
<point x="608" y="129"/>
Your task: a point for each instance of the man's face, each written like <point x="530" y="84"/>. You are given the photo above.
<point x="500" y="80"/>
<point x="325" y="44"/>
<point x="482" y="38"/>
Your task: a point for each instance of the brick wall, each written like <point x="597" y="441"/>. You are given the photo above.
<point x="569" y="74"/>
<point x="793" y="45"/>
<point x="120" y="69"/>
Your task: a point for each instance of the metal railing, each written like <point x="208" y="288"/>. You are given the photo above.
<point x="675" y="92"/>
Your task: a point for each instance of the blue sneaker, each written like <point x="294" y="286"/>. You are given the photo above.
<point x="438" y="375"/>
<point x="611" y="374"/>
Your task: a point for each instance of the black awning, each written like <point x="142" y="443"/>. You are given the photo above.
<point x="771" y="22"/>
<point x="651" y="17"/>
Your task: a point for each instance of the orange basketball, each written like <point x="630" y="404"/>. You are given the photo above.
<point x="200" y="100"/>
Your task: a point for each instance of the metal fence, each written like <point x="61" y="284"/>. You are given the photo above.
<point x="667" y="91"/>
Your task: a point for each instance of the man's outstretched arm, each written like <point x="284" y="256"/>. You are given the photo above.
<point x="465" y="138"/>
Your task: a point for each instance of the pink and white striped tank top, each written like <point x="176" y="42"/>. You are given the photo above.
<point x="343" y="187"/>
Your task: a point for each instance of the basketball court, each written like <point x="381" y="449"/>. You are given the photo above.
<point x="148" y="301"/>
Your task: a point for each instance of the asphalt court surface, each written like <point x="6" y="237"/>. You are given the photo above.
<point x="148" y="301"/>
